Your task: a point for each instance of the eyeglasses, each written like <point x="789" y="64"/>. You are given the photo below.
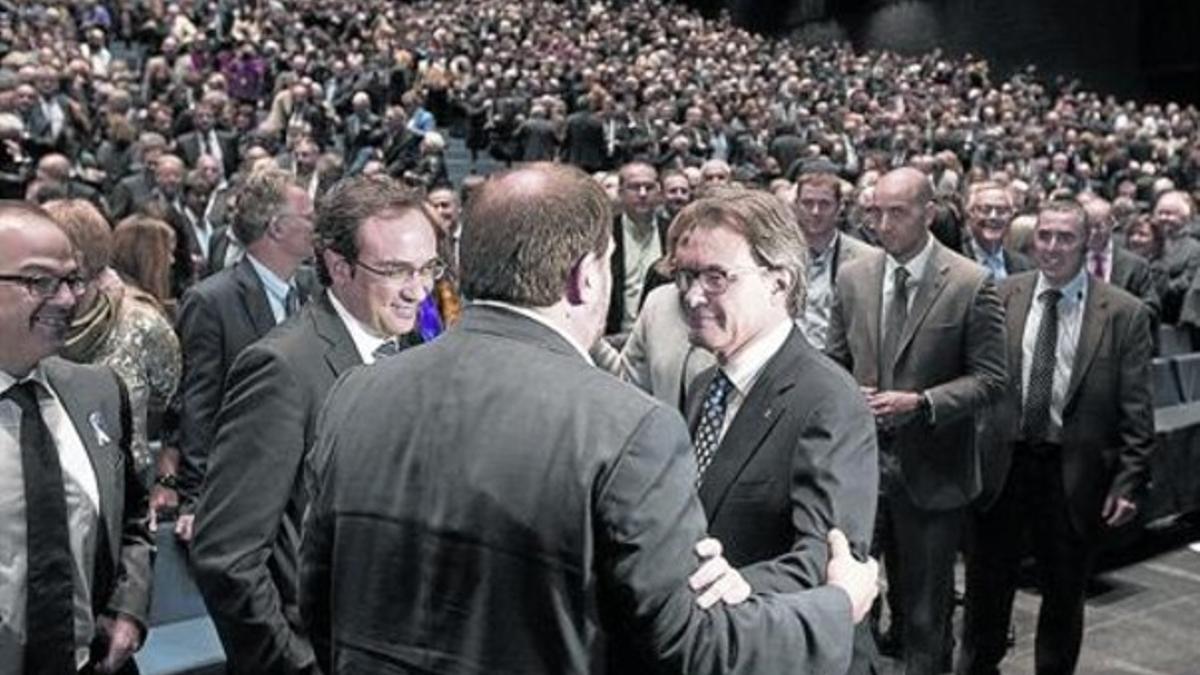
<point x="427" y="273"/>
<point x="44" y="287"/>
<point x="713" y="280"/>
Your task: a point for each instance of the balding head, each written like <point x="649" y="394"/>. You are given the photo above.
<point x="901" y="212"/>
<point x="54" y="167"/>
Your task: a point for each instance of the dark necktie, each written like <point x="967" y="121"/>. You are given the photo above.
<point x="50" y="590"/>
<point x="712" y="418"/>
<point x="291" y="302"/>
<point x="388" y="348"/>
<point x="1035" y="417"/>
<point x="893" y="327"/>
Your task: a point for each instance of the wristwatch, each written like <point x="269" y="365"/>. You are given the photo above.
<point x="167" y="480"/>
<point x="925" y="408"/>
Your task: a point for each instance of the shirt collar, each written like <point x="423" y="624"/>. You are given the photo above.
<point x="534" y="316"/>
<point x="38" y="374"/>
<point x="278" y="288"/>
<point x="916" y="266"/>
<point x="1073" y="292"/>
<point x="744" y="367"/>
<point x="982" y="255"/>
<point x="364" y="340"/>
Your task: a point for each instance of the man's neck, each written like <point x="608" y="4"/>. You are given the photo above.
<point x="821" y="242"/>
<point x="267" y="255"/>
<point x="640" y="222"/>
<point x="988" y="248"/>
<point x="908" y="256"/>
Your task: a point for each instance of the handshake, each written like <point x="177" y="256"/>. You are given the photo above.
<point x="716" y="580"/>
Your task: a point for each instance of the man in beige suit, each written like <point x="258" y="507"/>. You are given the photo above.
<point x="922" y="331"/>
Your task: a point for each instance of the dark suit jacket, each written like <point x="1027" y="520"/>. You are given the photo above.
<point x="564" y="511"/>
<point x="189" y="147"/>
<point x="122" y="575"/>
<point x="1014" y="261"/>
<point x="248" y="517"/>
<point x="1131" y="273"/>
<point x="129" y="193"/>
<point x="798" y="459"/>
<point x="218" y="318"/>
<point x="616" y="298"/>
<point x="538" y="140"/>
<point x="584" y="143"/>
<point x="952" y="349"/>
<point x="1108" y="418"/>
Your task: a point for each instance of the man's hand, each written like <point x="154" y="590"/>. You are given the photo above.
<point x="716" y="579"/>
<point x="887" y="403"/>
<point x="860" y="580"/>
<point x="1118" y="511"/>
<point x="161" y="499"/>
<point x="184" y="526"/>
<point x="124" y="638"/>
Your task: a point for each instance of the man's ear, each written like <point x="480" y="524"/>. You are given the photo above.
<point x="338" y="266"/>
<point x="581" y="280"/>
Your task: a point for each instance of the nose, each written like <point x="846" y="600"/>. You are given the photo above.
<point x="694" y="295"/>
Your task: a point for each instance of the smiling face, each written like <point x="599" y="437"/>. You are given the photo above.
<point x="988" y="216"/>
<point x="1058" y="244"/>
<point x="32" y="327"/>
<point x="390" y="242"/>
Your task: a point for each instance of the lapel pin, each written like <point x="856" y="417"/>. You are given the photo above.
<point x="97" y="422"/>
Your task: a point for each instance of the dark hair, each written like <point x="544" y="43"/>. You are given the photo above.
<point x="527" y="228"/>
<point x="342" y="211"/>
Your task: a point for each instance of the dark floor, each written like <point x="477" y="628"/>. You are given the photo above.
<point x="1142" y="618"/>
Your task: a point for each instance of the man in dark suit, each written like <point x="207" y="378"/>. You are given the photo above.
<point x="537" y="137"/>
<point x="784" y="440"/>
<point x="222" y="314"/>
<point x="922" y="331"/>
<point x="990" y="211"/>
<point x="378" y="258"/>
<point x="75" y="586"/>
<point x="640" y="239"/>
<point x="136" y="188"/>
<point x="584" y="143"/>
<point x="206" y="139"/>
<point x="818" y="208"/>
<point x="1079" y="396"/>
<point x="581" y="519"/>
<point x="1115" y="264"/>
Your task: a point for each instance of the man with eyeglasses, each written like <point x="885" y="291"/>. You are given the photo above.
<point x="784" y="442"/>
<point x="75" y="583"/>
<point x="923" y="332"/>
<point x="377" y="256"/>
<point x="990" y="211"/>
<point x="223" y="314"/>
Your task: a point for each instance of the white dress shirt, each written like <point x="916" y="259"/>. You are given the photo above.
<point x="1070" y="323"/>
<point x="83" y="514"/>
<point x="534" y="316"/>
<point x="365" y="340"/>
<point x="744" y="368"/>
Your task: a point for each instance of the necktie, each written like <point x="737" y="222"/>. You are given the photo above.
<point x="50" y="592"/>
<point x="1098" y="265"/>
<point x="291" y="302"/>
<point x="897" y="316"/>
<point x="712" y="418"/>
<point x="388" y="348"/>
<point x="1035" y="418"/>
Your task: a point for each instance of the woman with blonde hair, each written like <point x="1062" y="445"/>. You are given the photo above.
<point x="120" y="325"/>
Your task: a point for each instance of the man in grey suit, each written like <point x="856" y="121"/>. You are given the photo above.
<point x="1078" y="396"/>
<point x="818" y="208"/>
<point x="378" y="256"/>
<point x="223" y="314"/>
<point x="1114" y="264"/>
<point x="75" y="584"/>
<point x="530" y="505"/>
<point x="784" y="441"/>
<point x="922" y="331"/>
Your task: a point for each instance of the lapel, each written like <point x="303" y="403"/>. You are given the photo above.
<point x="1020" y="299"/>
<point x="340" y="352"/>
<point x="932" y="283"/>
<point x="695" y="398"/>
<point x="254" y="297"/>
<point x="755" y="419"/>
<point x="1094" y="322"/>
<point x="106" y="459"/>
<point x="872" y="299"/>
<point x="1119" y="268"/>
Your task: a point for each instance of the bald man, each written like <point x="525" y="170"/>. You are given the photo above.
<point x="922" y="330"/>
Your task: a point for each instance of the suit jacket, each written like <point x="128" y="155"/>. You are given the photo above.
<point x="657" y="357"/>
<point x="848" y="248"/>
<point x="1108" y="418"/>
<point x="1014" y="261"/>
<point x="538" y="140"/>
<point x="798" y="459"/>
<point x="1131" y="273"/>
<point x="125" y="547"/>
<point x="616" y="299"/>
<point x="584" y="142"/>
<point x="218" y="318"/>
<point x="189" y="147"/>
<point x="129" y="193"/>
<point x="568" y="501"/>
<point x="951" y="349"/>
<point x="248" y="518"/>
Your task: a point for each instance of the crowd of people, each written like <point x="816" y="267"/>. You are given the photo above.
<point x="825" y="260"/>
